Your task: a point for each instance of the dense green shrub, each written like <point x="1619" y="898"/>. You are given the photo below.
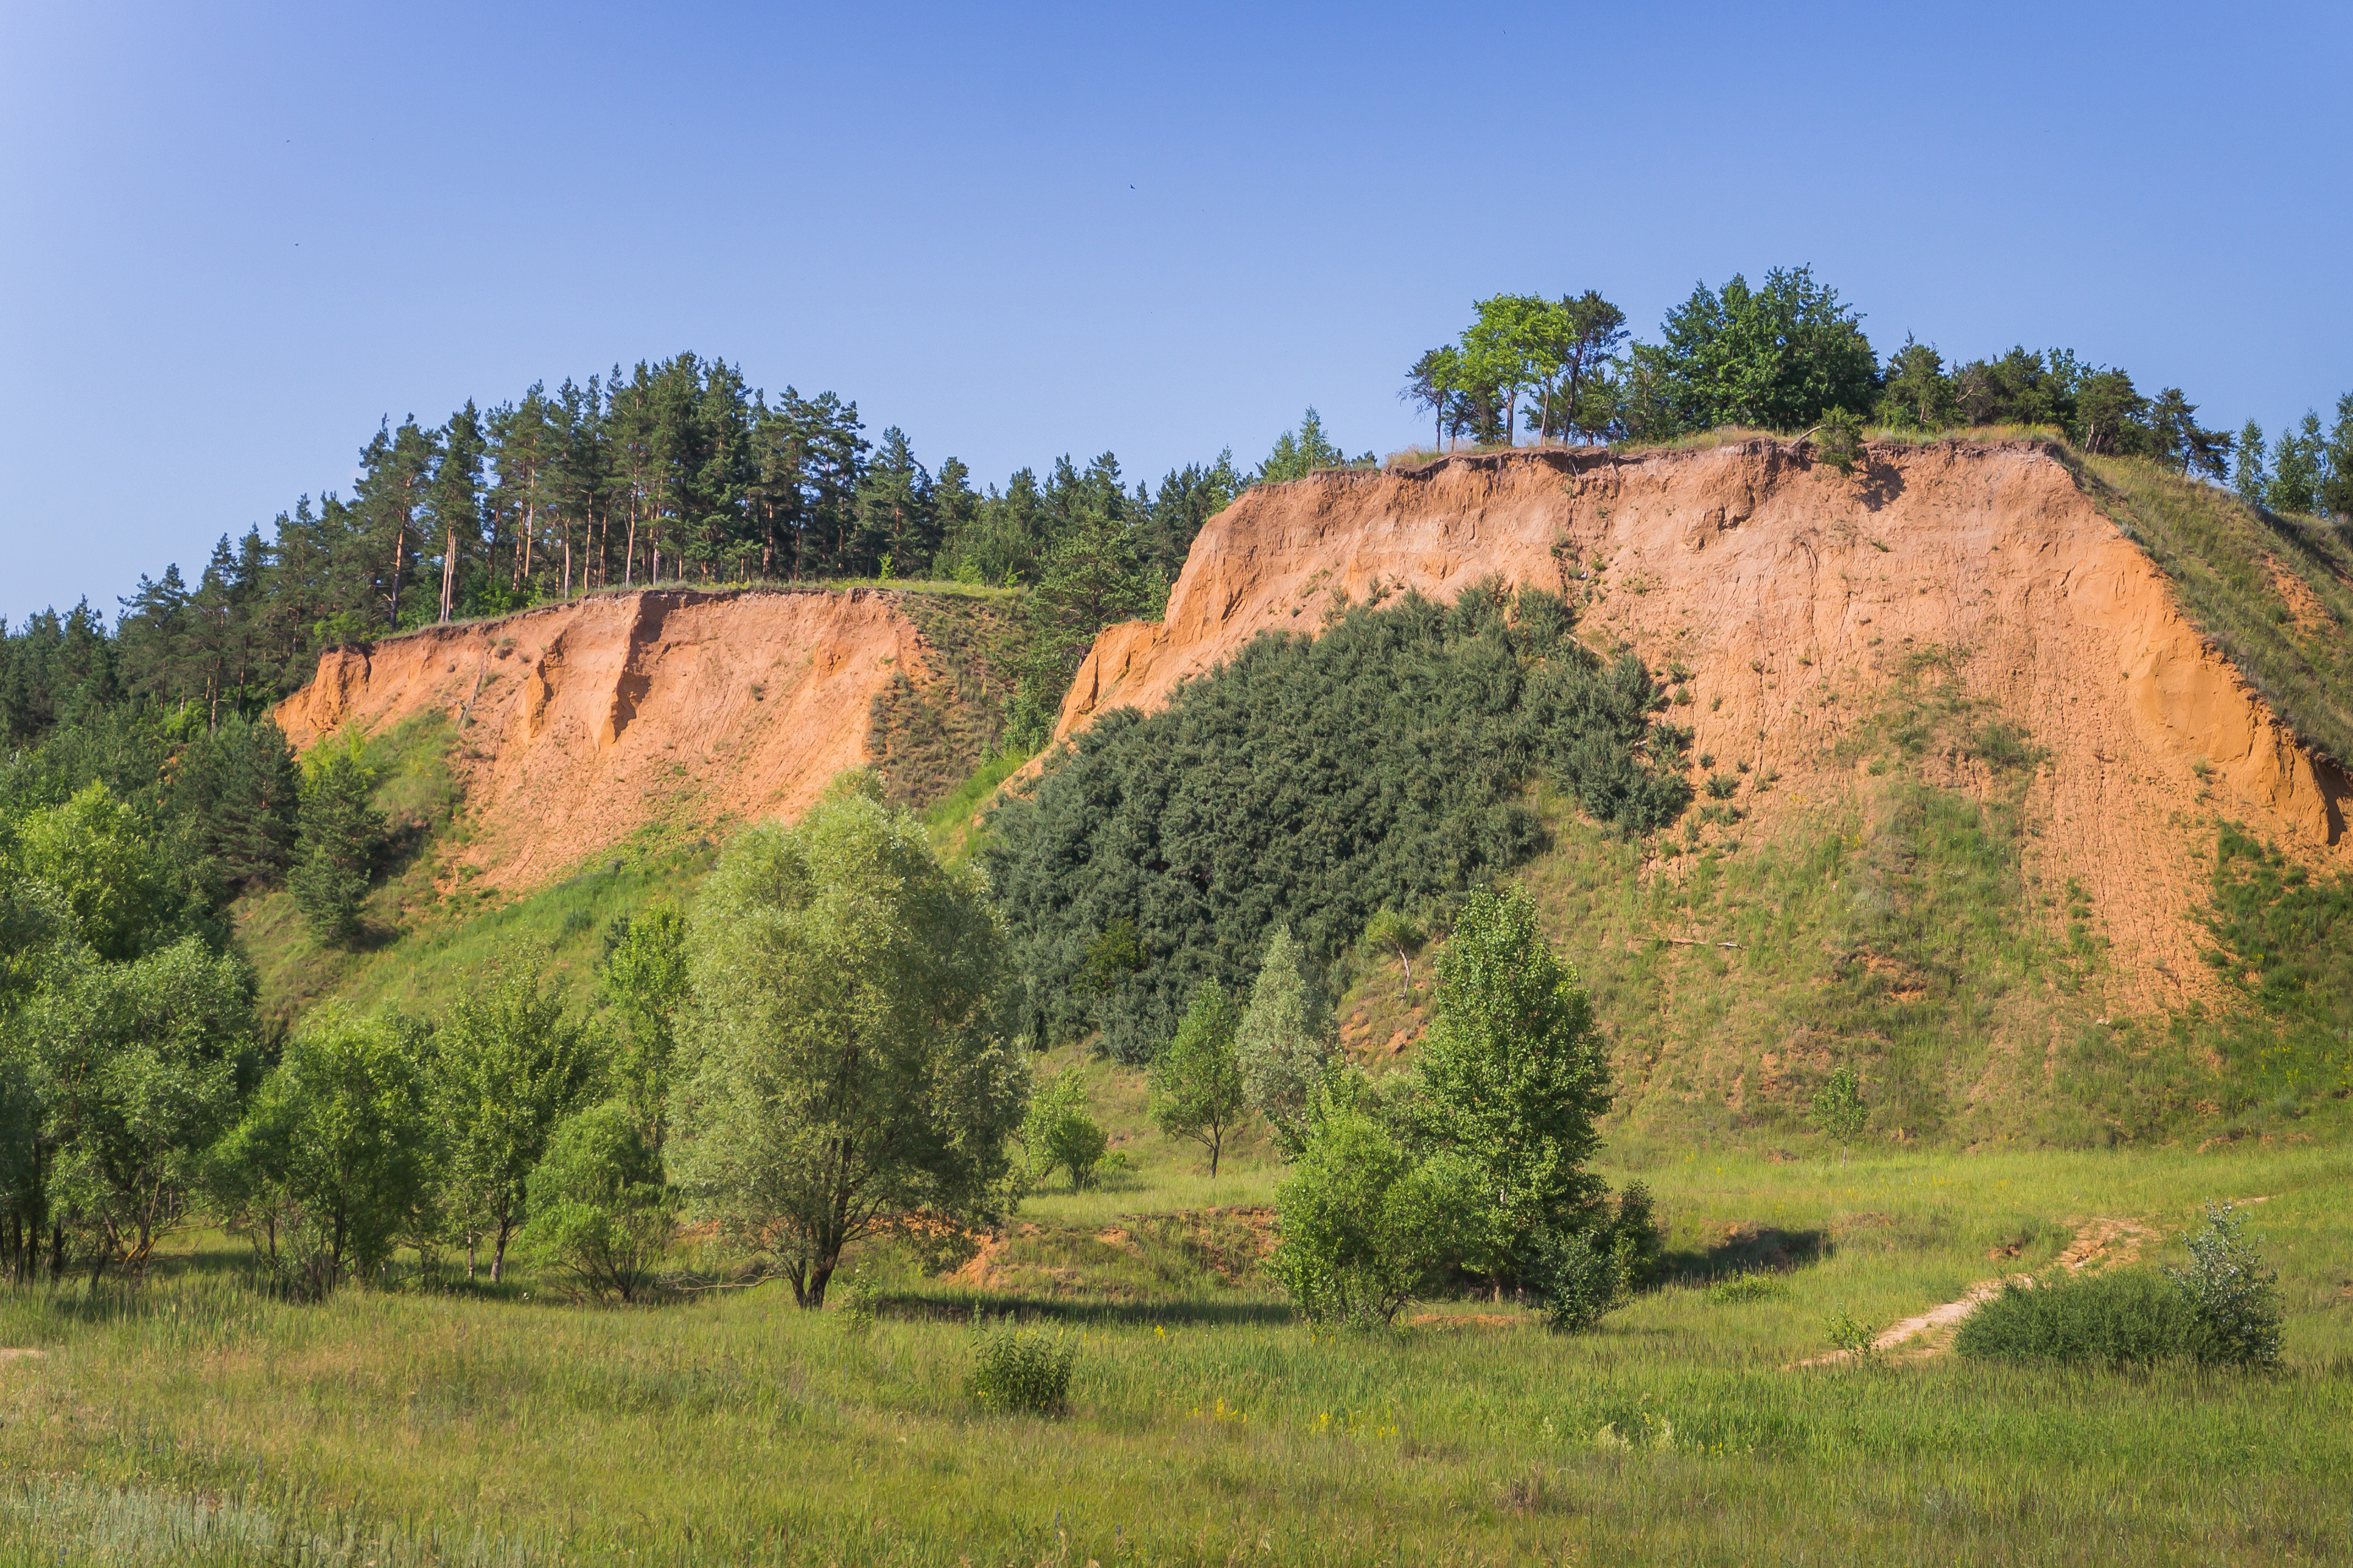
<point x="2223" y="1309"/>
<point x="2128" y="1316"/>
<point x="1314" y="782"/>
<point x="1022" y="1369"/>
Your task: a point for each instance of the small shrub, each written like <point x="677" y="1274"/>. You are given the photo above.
<point x="2236" y="1299"/>
<point x="1580" y="1283"/>
<point x="1022" y="1369"/>
<point x="857" y="1308"/>
<point x="1849" y="1333"/>
<point x="1744" y="1287"/>
<point x="1720" y="787"/>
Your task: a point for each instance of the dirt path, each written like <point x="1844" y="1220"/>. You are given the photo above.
<point x="2099" y="1243"/>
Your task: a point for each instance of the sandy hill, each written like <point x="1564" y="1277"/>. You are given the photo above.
<point x="579" y="724"/>
<point x="1795" y="596"/>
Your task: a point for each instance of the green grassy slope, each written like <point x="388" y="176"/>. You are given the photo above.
<point x="195" y="1423"/>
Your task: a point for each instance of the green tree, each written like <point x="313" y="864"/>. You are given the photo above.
<point x="2297" y="468"/>
<point x="1283" y="1043"/>
<point x="645" y="979"/>
<point x="599" y="1210"/>
<point x="1056" y="1134"/>
<point x="2110" y="415"/>
<point x="340" y="834"/>
<point x="1197" y="1082"/>
<point x="2247" y="476"/>
<point x="327" y="1168"/>
<point x="1431" y="383"/>
<point x="2180" y="443"/>
<point x="2335" y="491"/>
<point x="849" y="1065"/>
<point x="1366" y="1227"/>
<point x="1837" y="1108"/>
<point x="1513" y="1076"/>
<point x="1299" y="453"/>
<point x="1919" y="394"/>
<point x="508" y="1067"/>
<point x="1775" y="357"/>
<point x="1092" y="579"/>
<point x="133" y="1069"/>
<point x="94" y="853"/>
<point x="1401" y="936"/>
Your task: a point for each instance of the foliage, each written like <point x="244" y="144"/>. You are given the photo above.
<point x="1366" y="1226"/>
<point x="341" y="834"/>
<point x="2236" y="1299"/>
<point x="1025" y="1371"/>
<point x="328" y="1167"/>
<point x="1775" y="357"/>
<point x="132" y="1072"/>
<point x="846" y="1061"/>
<point x="93" y="853"/>
<point x="1299" y="453"/>
<point x="1514" y="1076"/>
<point x="1838" y="1110"/>
<point x="2121" y="1317"/>
<point x="1197" y="1090"/>
<point x="508" y="1067"/>
<point x="2223" y="1309"/>
<point x="644" y="977"/>
<point x="1584" y="1275"/>
<point x="1283" y="1043"/>
<point x="1313" y="783"/>
<point x="599" y="1211"/>
<point x="1390" y="932"/>
<point x="1056" y="1134"/>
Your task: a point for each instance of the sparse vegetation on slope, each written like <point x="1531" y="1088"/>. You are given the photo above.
<point x="2275" y="593"/>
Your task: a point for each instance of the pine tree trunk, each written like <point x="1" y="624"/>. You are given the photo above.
<point x="400" y="540"/>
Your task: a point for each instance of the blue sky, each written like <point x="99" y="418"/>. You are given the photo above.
<point x="235" y="237"/>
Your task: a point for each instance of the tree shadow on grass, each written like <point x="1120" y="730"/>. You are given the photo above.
<point x="1745" y="1249"/>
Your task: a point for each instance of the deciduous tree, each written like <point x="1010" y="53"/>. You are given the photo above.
<point x="848" y="1065"/>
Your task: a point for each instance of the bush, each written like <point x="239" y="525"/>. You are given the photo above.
<point x="1580" y="1283"/>
<point x="1744" y="1287"/>
<point x="1022" y="1369"/>
<point x="2129" y="1316"/>
<point x="1366" y="1225"/>
<point x="599" y="1212"/>
<point x="2221" y="1310"/>
<point x="2237" y="1300"/>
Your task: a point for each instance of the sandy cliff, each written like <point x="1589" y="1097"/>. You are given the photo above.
<point x="579" y="723"/>
<point x="1795" y="595"/>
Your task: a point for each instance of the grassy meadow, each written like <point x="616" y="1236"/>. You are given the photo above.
<point x="193" y="1421"/>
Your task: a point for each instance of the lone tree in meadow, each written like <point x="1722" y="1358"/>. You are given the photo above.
<point x="1514" y="1076"/>
<point x="1838" y="1111"/>
<point x="1197" y="1083"/>
<point x="843" y="1067"/>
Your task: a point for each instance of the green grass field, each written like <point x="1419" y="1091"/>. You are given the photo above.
<point x="196" y="1422"/>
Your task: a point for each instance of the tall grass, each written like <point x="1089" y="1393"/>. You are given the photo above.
<point x="196" y="1422"/>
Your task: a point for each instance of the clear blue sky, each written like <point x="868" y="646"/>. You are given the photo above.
<point x="234" y="236"/>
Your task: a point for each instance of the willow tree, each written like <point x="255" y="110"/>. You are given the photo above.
<point x="845" y="1070"/>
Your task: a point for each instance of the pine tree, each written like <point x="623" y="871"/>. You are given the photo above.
<point x="2248" y="476"/>
<point x="341" y="833"/>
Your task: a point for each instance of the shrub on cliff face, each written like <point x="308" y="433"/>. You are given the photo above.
<point x="1312" y="783"/>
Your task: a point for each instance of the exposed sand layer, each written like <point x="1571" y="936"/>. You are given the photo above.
<point x="580" y="723"/>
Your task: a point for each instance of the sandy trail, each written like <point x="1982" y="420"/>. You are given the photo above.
<point x="2104" y="1243"/>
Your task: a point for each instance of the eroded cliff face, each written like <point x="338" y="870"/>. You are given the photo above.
<point x="577" y="724"/>
<point x="1796" y="596"/>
